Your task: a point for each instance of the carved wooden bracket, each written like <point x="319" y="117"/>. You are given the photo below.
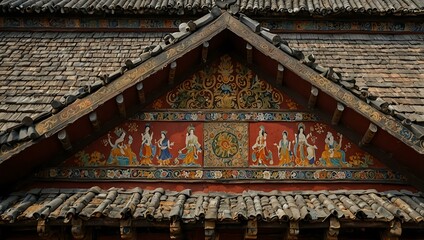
<point x="121" y="105"/>
<point x="249" y="53"/>
<point x="171" y="76"/>
<point x="251" y="230"/>
<point x="394" y="231"/>
<point x="313" y="97"/>
<point x="140" y="91"/>
<point x="126" y="229"/>
<point x="293" y="231"/>
<point x="43" y="230"/>
<point x="369" y="135"/>
<point x="78" y="229"/>
<point x="64" y="139"/>
<point x="280" y="72"/>
<point x="337" y="114"/>
<point x="175" y="230"/>
<point x="94" y="121"/>
<point x="333" y="230"/>
<point x="210" y="233"/>
<point x="205" y="49"/>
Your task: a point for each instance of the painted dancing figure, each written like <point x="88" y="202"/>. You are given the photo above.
<point x="147" y="150"/>
<point x="164" y="157"/>
<point x="189" y="154"/>
<point x="261" y="155"/>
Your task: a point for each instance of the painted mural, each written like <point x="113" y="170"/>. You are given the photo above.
<point x="225" y="84"/>
<point x="240" y="150"/>
<point x="223" y="123"/>
<point x="224" y="144"/>
<point x="137" y="143"/>
<point x="304" y="144"/>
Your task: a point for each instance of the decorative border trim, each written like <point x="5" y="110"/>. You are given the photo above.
<point x="344" y="26"/>
<point x="171" y="174"/>
<point x="276" y="25"/>
<point x="225" y="116"/>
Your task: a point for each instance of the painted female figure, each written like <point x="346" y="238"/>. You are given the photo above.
<point x="164" y="157"/>
<point x="303" y="151"/>
<point x="189" y="154"/>
<point x="284" y="152"/>
<point x="260" y="152"/>
<point x="121" y="154"/>
<point x="333" y="155"/>
<point x="147" y="150"/>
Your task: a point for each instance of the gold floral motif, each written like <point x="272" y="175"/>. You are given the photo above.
<point x="224" y="85"/>
<point x="376" y="116"/>
<point x="46" y="125"/>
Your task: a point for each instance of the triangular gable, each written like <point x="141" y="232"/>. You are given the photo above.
<point x="225" y="21"/>
<point x="223" y="123"/>
<point x="157" y="65"/>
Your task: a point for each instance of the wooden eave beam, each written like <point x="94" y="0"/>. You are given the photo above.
<point x="280" y="78"/>
<point x="94" y="121"/>
<point x="333" y="230"/>
<point x="64" y="140"/>
<point x="205" y="50"/>
<point x="368" y="135"/>
<point x="171" y="75"/>
<point x="120" y="102"/>
<point x="393" y="232"/>
<point x="126" y="229"/>
<point x="292" y="232"/>
<point x="175" y="230"/>
<point x="210" y="231"/>
<point x="249" y="54"/>
<point x="251" y="229"/>
<point x="78" y="229"/>
<point x="337" y="115"/>
<point x="313" y="96"/>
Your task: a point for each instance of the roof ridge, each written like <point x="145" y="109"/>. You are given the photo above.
<point x="390" y="7"/>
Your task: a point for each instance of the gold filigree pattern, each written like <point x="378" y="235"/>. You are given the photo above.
<point x="225" y="85"/>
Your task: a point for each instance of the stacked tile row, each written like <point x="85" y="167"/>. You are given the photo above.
<point x="380" y="7"/>
<point x="164" y="205"/>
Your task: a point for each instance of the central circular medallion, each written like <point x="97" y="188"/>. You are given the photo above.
<point x="225" y="145"/>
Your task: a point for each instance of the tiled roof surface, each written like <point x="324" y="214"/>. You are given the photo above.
<point x="161" y="205"/>
<point x="36" y="68"/>
<point x="390" y="66"/>
<point x="192" y="6"/>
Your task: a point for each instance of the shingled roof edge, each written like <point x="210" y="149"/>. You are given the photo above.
<point x="140" y="204"/>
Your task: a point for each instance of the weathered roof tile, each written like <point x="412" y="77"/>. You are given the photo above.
<point x="189" y="7"/>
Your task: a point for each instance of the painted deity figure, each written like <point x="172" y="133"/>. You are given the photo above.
<point x="333" y="155"/>
<point x="164" y="157"/>
<point x="189" y="154"/>
<point x="261" y="155"/>
<point x="147" y="149"/>
<point x="121" y="153"/>
<point x="304" y="152"/>
<point x="285" y="154"/>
